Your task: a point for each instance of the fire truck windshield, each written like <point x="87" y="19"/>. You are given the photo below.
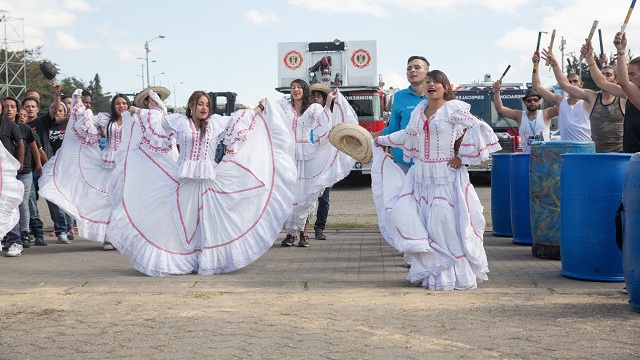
<point x="366" y="106"/>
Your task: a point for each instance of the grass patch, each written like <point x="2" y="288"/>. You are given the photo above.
<point x="350" y="225"/>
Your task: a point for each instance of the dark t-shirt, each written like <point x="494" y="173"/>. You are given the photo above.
<point x="41" y="125"/>
<point x="28" y="136"/>
<point x="631" y="135"/>
<point x="9" y="135"/>
<point x="56" y="135"/>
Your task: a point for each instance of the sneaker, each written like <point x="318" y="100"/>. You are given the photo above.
<point x="624" y="290"/>
<point x="304" y="241"/>
<point x="26" y="240"/>
<point x="52" y="234"/>
<point x="14" y="250"/>
<point x="70" y="235"/>
<point x="320" y="235"/>
<point x="62" y="239"/>
<point x="288" y="241"/>
<point x="4" y="244"/>
<point x="39" y="241"/>
<point x="107" y="246"/>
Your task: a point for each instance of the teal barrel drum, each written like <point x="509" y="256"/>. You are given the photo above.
<point x="544" y="185"/>
<point x="520" y="223"/>
<point x="631" y="233"/>
<point x="590" y="193"/>
<point x="500" y="194"/>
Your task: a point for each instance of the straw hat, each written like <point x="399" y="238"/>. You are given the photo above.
<point x="162" y="91"/>
<point x="353" y="140"/>
<point x="320" y="87"/>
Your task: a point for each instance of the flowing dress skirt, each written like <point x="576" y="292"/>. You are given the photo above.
<point x="439" y="225"/>
<point x="169" y="225"/>
<point x="11" y="191"/>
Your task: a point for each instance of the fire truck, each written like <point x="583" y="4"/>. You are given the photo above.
<point x="349" y="66"/>
<point x="480" y="97"/>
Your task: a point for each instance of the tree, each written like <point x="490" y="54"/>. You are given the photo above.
<point x="36" y="81"/>
<point x="101" y="102"/>
<point x="575" y="66"/>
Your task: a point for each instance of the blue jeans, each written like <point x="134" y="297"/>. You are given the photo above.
<point x="58" y="217"/>
<point x="27" y="180"/>
<point x="35" y="224"/>
<point x="323" y="210"/>
<point x="13" y="236"/>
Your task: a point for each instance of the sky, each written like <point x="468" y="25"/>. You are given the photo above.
<point x="232" y="45"/>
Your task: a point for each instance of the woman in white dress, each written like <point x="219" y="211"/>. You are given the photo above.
<point x="78" y="177"/>
<point x="318" y="163"/>
<point x="11" y="192"/>
<point x="193" y="214"/>
<point x="433" y="214"/>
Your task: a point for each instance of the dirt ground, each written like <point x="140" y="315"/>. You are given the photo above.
<point x="227" y="323"/>
<point x="89" y="304"/>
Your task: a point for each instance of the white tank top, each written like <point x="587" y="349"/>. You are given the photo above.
<point x="573" y="121"/>
<point x="530" y="131"/>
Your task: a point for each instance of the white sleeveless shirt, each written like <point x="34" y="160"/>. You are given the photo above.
<point x="535" y="130"/>
<point x="573" y="121"/>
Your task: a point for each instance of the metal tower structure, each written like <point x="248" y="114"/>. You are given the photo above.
<point x="13" y="69"/>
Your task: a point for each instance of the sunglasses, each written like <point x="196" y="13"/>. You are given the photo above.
<point x="531" y="101"/>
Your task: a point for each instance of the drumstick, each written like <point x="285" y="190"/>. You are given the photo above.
<point x="553" y="36"/>
<point x="505" y="72"/>
<point x="626" y="20"/>
<point x="535" y="65"/>
<point x="601" y="48"/>
<point x="593" y="30"/>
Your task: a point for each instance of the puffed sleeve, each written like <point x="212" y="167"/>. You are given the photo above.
<point x="479" y="140"/>
<point x="84" y="124"/>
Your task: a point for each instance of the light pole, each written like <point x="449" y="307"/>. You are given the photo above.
<point x="175" y="106"/>
<point x="147" y="60"/>
<point x="563" y="42"/>
<point x="154" y="78"/>
<point x="146" y="50"/>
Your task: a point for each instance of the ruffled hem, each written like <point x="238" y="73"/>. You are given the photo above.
<point x="196" y="169"/>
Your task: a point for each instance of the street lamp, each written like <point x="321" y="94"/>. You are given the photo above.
<point x="139" y="58"/>
<point x="146" y="49"/>
<point x="175" y="106"/>
<point x="154" y="78"/>
<point x="563" y="43"/>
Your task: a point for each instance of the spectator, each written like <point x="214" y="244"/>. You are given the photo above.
<point x="404" y="101"/>
<point x="31" y="163"/>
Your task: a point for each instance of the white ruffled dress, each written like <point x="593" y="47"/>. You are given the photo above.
<point x="77" y="177"/>
<point x="433" y="214"/>
<point x="319" y="164"/>
<point x="194" y="215"/>
<point x="11" y="191"/>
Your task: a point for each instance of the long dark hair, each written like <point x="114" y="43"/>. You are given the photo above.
<point x="114" y="115"/>
<point x="439" y="77"/>
<point x="193" y="100"/>
<point x="305" y="94"/>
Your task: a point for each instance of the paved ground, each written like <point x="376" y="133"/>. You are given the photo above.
<point x="344" y="298"/>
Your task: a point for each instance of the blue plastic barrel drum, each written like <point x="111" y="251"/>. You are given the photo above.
<point x="631" y="233"/>
<point x="519" y="193"/>
<point x="544" y="181"/>
<point x="500" y="198"/>
<point x="590" y="193"/>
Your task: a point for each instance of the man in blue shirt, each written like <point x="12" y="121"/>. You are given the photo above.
<point x="404" y="101"/>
